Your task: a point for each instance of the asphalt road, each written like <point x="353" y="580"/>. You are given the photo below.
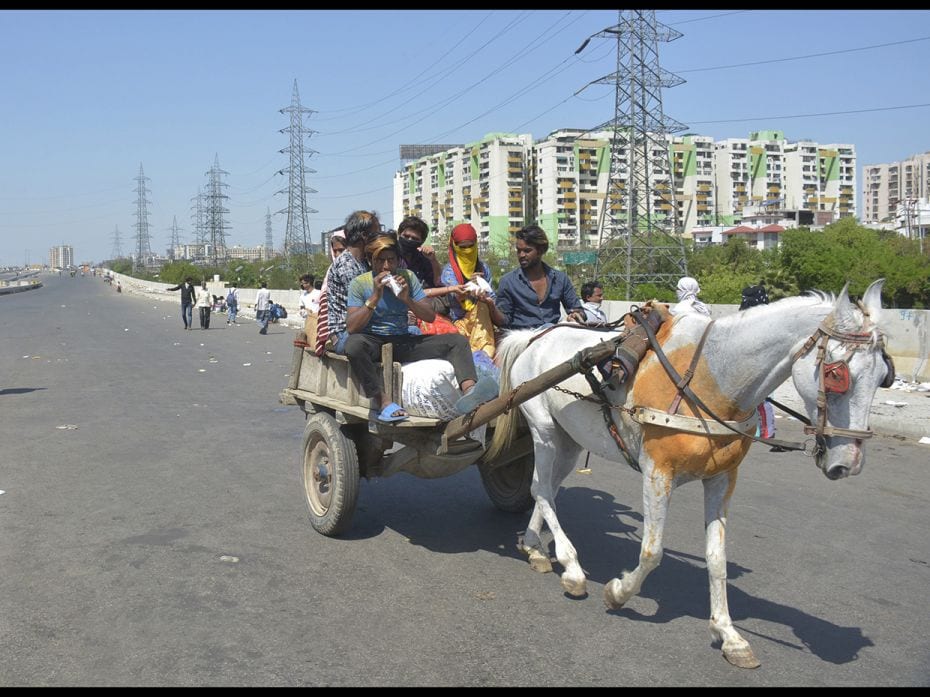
<point x="163" y="540"/>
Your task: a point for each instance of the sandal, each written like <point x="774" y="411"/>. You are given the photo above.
<point x="390" y="413"/>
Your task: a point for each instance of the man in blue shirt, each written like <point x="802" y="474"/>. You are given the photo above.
<point x="533" y="295"/>
<point x="378" y="302"/>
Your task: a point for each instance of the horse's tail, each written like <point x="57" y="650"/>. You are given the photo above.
<point x="506" y="427"/>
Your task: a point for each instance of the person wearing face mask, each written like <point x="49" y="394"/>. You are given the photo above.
<point x="414" y="255"/>
<point x="592" y="295"/>
<point x="421" y="260"/>
<point x="472" y="307"/>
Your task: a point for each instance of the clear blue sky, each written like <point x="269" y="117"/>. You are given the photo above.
<point x="86" y="96"/>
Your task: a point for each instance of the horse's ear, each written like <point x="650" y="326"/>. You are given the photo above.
<point x="873" y="300"/>
<point x="843" y="310"/>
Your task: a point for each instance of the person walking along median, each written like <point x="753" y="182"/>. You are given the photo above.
<point x="188" y="298"/>
<point x="203" y="305"/>
<point x="263" y="307"/>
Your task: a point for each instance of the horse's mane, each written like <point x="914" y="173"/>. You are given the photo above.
<point x="846" y="322"/>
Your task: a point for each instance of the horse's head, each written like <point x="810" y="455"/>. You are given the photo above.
<point x="837" y="377"/>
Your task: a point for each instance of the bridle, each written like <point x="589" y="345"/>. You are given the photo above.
<point x="834" y="377"/>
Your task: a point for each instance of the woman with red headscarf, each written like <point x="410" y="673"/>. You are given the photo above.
<point x="473" y="313"/>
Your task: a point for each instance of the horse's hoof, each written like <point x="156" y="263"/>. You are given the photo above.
<point x="539" y="562"/>
<point x="611" y="594"/>
<point x="576" y="588"/>
<point x="742" y="658"/>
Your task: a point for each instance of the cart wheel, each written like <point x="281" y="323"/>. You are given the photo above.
<point x="330" y="475"/>
<point x="508" y="486"/>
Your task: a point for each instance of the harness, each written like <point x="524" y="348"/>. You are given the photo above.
<point x="832" y="377"/>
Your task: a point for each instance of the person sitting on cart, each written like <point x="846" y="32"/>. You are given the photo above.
<point x="377" y="314"/>
<point x="533" y="295"/>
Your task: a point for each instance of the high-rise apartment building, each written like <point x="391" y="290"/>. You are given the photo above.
<point x="506" y="181"/>
<point x="893" y="186"/>
<point x="570" y="169"/>
<point x="484" y="183"/>
<point x="693" y="163"/>
<point x="61" y="256"/>
<point x="767" y="171"/>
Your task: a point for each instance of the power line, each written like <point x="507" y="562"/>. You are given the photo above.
<point x="804" y="116"/>
<point x="412" y="81"/>
<point x="437" y="106"/>
<point x="810" y="55"/>
<point x="426" y="87"/>
<point x="701" y="19"/>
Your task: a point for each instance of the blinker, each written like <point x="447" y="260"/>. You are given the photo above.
<point x="836" y="377"/>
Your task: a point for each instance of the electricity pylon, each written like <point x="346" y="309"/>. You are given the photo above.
<point x="117" y="252"/>
<point x="143" y="242"/>
<point x="214" y="223"/>
<point x="269" y="242"/>
<point x="639" y="238"/>
<point x="175" y="238"/>
<point x="297" y="231"/>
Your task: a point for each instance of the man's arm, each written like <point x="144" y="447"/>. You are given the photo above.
<point x="504" y="303"/>
<point x="414" y="298"/>
<point x="360" y="304"/>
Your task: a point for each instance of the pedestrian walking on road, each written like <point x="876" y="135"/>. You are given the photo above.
<point x="232" y="304"/>
<point x="204" y="304"/>
<point x="263" y="307"/>
<point x="188" y="298"/>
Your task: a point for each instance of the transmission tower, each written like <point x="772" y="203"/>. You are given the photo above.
<point x="117" y="252"/>
<point x="269" y="243"/>
<point x="214" y="222"/>
<point x="143" y="242"/>
<point x="297" y="232"/>
<point x="175" y="237"/>
<point x="639" y="239"/>
<point x="197" y="221"/>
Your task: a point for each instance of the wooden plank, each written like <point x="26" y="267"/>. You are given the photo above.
<point x="387" y="366"/>
<point x="362" y="413"/>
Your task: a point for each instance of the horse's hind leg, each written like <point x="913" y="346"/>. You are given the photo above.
<point x="657" y="490"/>
<point x="717" y="491"/>
<point x="531" y="544"/>
<point x="555" y="455"/>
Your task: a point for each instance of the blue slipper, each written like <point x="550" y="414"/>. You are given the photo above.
<point x="389" y="414"/>
<point x="482" y="391"/>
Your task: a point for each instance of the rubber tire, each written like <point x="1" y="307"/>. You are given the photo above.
<point x="331" y="498"/>
<point x="508" y="487"/>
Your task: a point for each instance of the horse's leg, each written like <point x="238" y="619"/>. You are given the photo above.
<point x="531" y="544"/>
<point x="657" y="490"/>
<point x="717" y="491"/>
<point x="555" y="454"/>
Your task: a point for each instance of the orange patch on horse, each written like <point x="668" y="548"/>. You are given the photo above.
<point x="676" y="453"/>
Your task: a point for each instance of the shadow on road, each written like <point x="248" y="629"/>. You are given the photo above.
<point x="19" y="390"/>
<point x="606" y="534"/>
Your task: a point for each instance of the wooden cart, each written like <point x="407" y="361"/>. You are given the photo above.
<point x="343" y="442"/>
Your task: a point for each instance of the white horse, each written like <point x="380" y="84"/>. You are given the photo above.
<point x="745" y="356"/>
